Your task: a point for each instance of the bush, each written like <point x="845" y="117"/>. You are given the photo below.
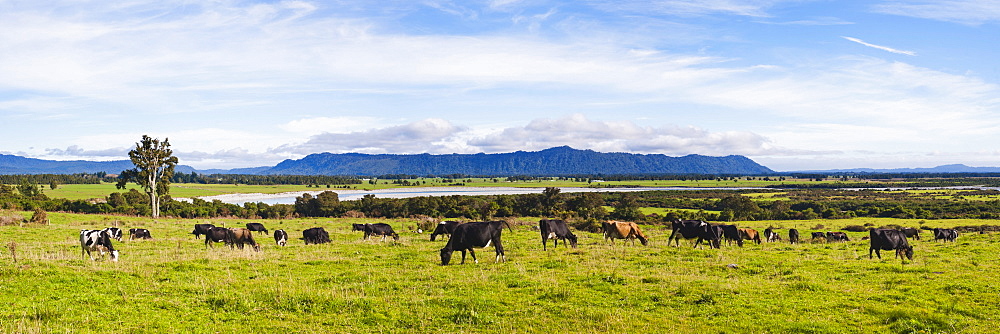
<point x="855" y="228"/>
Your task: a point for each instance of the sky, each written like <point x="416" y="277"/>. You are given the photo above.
<point x="791" y="84"/>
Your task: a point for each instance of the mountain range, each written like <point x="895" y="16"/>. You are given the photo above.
<point x="562" y="160"/>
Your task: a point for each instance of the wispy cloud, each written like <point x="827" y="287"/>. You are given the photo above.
<point x="968" y="12"/>
<point x="880" y="47"/>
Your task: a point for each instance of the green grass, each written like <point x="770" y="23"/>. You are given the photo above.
<point x="173" y="284"/>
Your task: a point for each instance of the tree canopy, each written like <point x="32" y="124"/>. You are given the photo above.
<point x="154" y="166"/>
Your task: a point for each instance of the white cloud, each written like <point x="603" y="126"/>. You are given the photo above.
<point x="318" y="125"/>
<point x="880" y="47"/>
<point x="969" y="12"/>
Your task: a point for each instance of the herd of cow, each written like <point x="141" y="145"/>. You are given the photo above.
<point x="467" y="236"/>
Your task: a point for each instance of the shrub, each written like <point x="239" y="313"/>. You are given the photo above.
<point x="854" y="228"/>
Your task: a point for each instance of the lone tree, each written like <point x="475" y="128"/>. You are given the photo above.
<point x="154" y="166"/>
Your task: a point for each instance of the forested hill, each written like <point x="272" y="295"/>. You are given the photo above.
<point x="554" y="161"/>
<point x="12" y="164"/>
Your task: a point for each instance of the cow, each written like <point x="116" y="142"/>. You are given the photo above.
<point x="623" y="230"/>
<point x="445" y="227"/>
<point x="201" y="229"/>
<point x="690" y="229"/>
<point x="97" y="240"/>
<point x="219" y="234"/>
<point x="257" y="227"/>
<point x="138" y="233"/>
<point x="244" y="236"/>
<point x="315" y="235"/>
<point x="358" y="227"/>
<point x="793" y="236"/>
<point x="475" y="234"/>
<point x="945" y="234"/>
<point x="889" y="239"/>
<point x="555" y="229"/>
<point x="770" y="235"/>
<point x="911" y="233"/>
<point x="750" y="234"/>
<point x="114" y="233"/>
<point x="818" y="236"/>
<point x="837" y="236"/>
<point x="281" y="237"/>
<point x="382" y="229"/>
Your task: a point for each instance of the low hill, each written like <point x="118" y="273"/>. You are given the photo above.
<point x="12" y="164"/>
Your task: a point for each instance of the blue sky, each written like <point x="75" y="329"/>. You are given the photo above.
<point x="794" y="85"/>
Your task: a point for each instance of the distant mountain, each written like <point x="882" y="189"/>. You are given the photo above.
<point x="12" y="164"/>
<point x="554" y="161"/>
<point x="943" y="169"/>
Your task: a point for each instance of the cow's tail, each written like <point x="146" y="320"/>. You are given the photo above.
<point x="508" y="226"/>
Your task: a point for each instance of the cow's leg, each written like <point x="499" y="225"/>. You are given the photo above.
<point x="499" y="250"/>
<point x="473" y="254"/>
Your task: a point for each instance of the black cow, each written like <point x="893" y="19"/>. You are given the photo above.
<point x="358" y="227"/>
<point x="281" y="237"/>
<point x="139" y="233"/>
<point x="201" y="229"/>
<point x="555" y="229"/>
<point x="219" y="234"/>
<point x="911" y="233"/>
<point x="945" y="234"/>
<point x="257" y="227"/>
<point x="770" y="235"/>
<point x="315" y="235"/>
<point x="690" y="229"/>
<point x="382" y="229"/>
<point x="97" y="240"/>
<point x="731" y="233"/>
<point x="475" y="234"/>
<point x="793" y="236"/>
<point x="837" y="236"/>
<point x="114" y="233"/>
<point x="889" y="239"/>
<point x="818" y="236"/>
<point x="445" y="227"/>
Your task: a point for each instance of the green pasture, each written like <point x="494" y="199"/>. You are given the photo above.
<point x="173" y="284"/>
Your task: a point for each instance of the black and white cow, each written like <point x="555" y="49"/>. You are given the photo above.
<point x="945" y="234"/>
<point x="731" y="233"/>
<point x="281" y="237"/>
<point x="818" y="236"/>
<point x="793" y="236"/>
<point x="315" y="235"/>
<point x="555" y="229"/>
<point x="889" y="239"/>
<point x="475" y="234"/>
<point x="770" y="235"/>
<point x="201" y="229"/>
<point x="358" y="227"/>
<point x="691" y="229"/>
<point x="138" y="233"/>
<point x="382" y="229"/>
<point x="257" y="227"/>
<point x="114" y="233"/>
<point x="911" y="233"/>
<point x="97" y="240"/>
<point x="219" y="234"/>
<point x="837" y="236"/>
<point x="445" y="227"/>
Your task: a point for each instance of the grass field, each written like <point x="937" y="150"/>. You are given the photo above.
<point x="173" y="284"/>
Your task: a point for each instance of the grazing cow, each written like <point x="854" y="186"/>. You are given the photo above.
<point x="257" y="227"/>
<point x="97" y="240"/>
<point x="911" y="233"/>
<point x="315" y="235"/>
<point x="201" y="229"/>
<point x="219" y="234"/>
<point x="555" y="229"/>
<point x="281" y="238"/>
<point x="793" y="236"/>
<point x="445" y="227"/>
<point x="244" y="236"/>
<point x="358" y="227"/>
<point x="945" y="234"/>
<point x="475" y="234"/>
<point x="690" y="229"/>
<point x="818" y="236"/>
<point x="623" y="230"/>
<point x="770" y="235"/>
<point x="139" y="233"/>
<point x="382" y="229"/>
<point x="114" y="233"/>
<point x="889" y="239"/>
<point x="731" y="233"/>
<point x="837" y="236"/>
<point x="750" y="234"/>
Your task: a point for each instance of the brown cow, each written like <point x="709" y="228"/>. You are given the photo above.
<point x="623" y="230"/>
<point x="243" y="236"/>
<point x="750" y="234"/>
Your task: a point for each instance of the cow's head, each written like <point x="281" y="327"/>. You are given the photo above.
<point x="446" y="255"/>
<point x="906" y="251"/>
<point x="114" y="255"/>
